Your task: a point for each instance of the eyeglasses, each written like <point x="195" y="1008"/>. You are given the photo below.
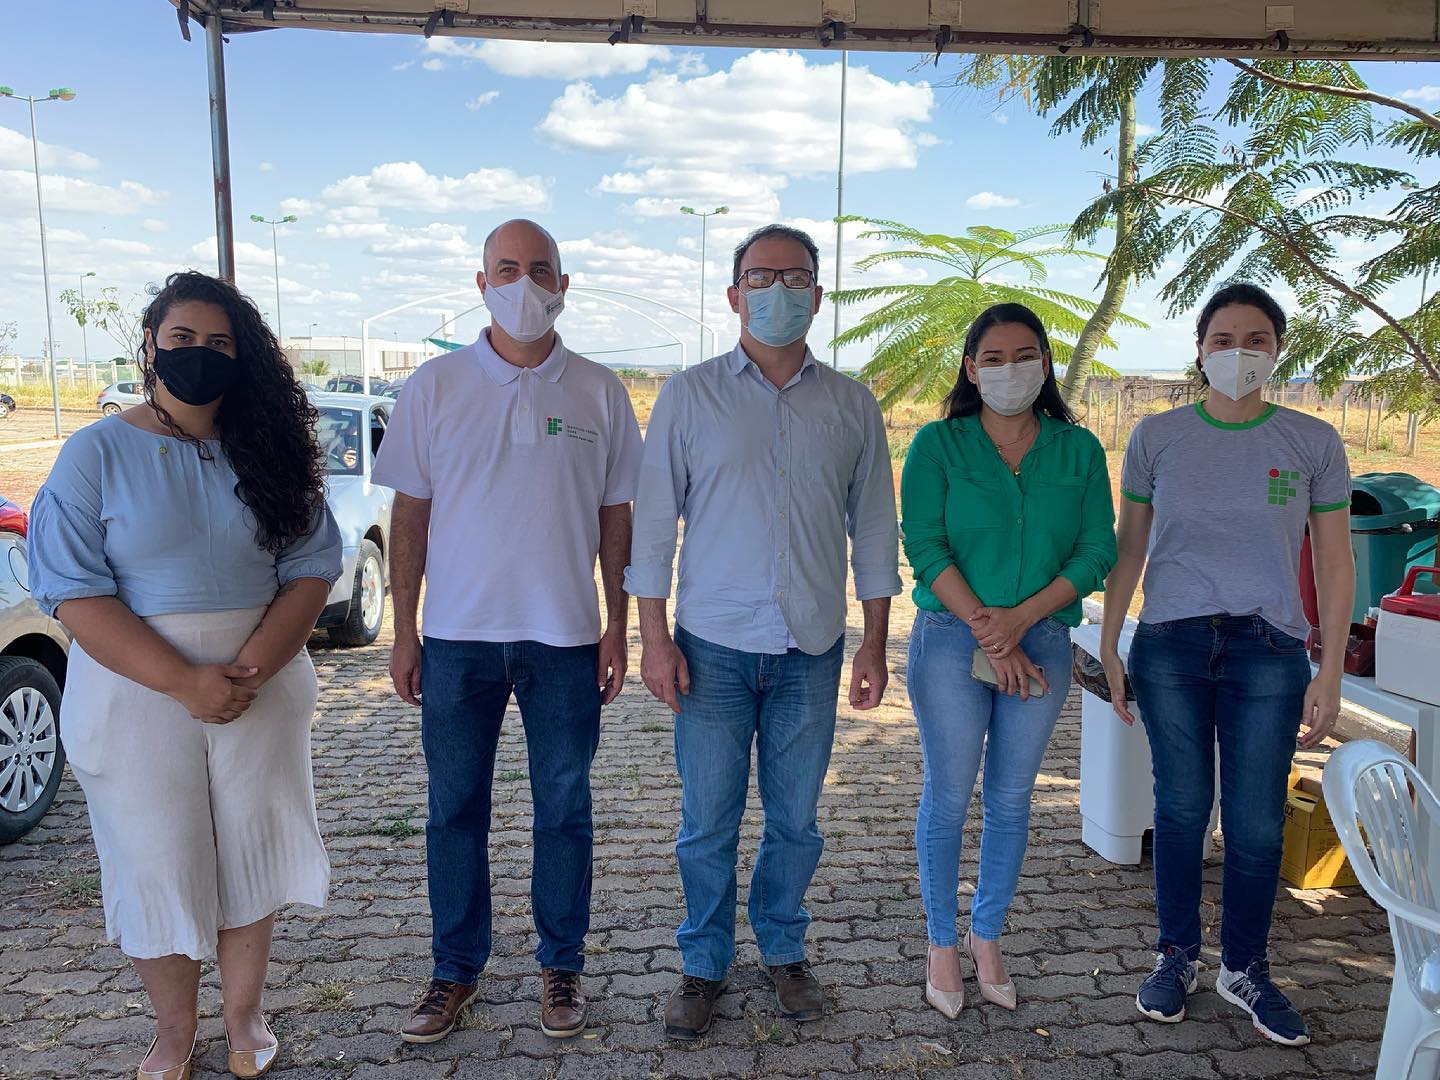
<point x="762" y="277"/>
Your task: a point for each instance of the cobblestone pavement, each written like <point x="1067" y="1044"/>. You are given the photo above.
<point x="342" y="979"/>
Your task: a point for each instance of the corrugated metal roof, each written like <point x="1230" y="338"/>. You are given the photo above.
<point x="1396" y="29"/>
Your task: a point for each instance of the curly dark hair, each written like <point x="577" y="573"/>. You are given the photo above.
<point x="266" y="423"/>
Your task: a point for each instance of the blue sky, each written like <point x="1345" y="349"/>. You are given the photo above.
<point x="398" y="155"/>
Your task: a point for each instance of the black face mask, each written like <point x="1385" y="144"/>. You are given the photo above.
<point x="196" y="374"/>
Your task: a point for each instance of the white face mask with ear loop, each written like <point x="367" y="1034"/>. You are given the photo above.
<point x="1238" y="373"/>
<point x="523" y="309"/>
<point x="1010" y="389"/>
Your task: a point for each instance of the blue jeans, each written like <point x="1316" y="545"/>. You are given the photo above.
<point x="785" y="705"/>
<point x="466" y="686"/>
<point x="1239" y="680"/>
<point x="960" y="717"/>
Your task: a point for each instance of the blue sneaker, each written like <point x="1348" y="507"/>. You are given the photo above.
<point x="1269" y="1009"/>
<point x="1162" y="994"/>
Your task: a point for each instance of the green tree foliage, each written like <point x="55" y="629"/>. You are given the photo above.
<point x="120" y="320"/>
<point x="1265" y="181"/>
<point x="920" y="328"/>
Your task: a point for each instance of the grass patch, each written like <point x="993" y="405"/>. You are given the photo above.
<point x="399" y="828"/>
<point x="79" y="890"/>
<point x="319" y="997"/>
<point x="766" y="1032"/>
<point x="654" y="728"/>
<point x="513" y="774"/>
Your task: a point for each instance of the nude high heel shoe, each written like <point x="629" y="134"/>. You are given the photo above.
<point x="947" y="1003"/>
<point x="175" y="1072"/>
<point x="249" y="1064"/>
<point x="1002" y="994"/>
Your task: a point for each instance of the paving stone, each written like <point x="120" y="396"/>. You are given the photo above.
<point x="343" y="979"/>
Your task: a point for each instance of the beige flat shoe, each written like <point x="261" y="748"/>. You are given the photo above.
<point x="175" y="1072"/>
<point x="249" y="1064"/>
<point x="947" y="1003"/>
<point x="1002" y="994"/>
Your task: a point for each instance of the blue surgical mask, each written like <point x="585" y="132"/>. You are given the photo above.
<point x="779" y="315"/>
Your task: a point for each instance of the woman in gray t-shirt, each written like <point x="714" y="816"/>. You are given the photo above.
<point x="1221" y="493"/>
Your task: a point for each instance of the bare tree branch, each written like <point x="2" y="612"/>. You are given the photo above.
<point x="1429" y="119"/>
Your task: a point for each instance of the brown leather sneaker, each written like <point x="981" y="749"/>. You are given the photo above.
<point x="438" y="1011"/>
<point x="562" y="1004"/>
<point x="691" y="1008"/>
<point x="798" y="991"/>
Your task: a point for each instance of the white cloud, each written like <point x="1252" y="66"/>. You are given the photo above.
<point x="155" y="225"/>
<point x="1427" y="95"/>
<point x="549" y="59"/>
<point x="266" y="166"/>
<point x="434" y="64"/>
<point x="481" y="100"/>
<point x="300" y="207"/>
<point x="354" y="230"/>
<point x="407" y="185"/>
<point x="246" y="253"/>
<point x="751" y="196"/>
<point x="17" y="191"/>
<point x="1144" y="131"/>
<point x="436" y="241"/>
<point x="1000" y="117"/>
<point x="740" y="114"/>
<point x="988" y="200"/>
<point x="16" y="153"/>
<point x="116" y="246"/>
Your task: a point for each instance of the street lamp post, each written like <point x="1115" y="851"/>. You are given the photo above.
<point x="704" y="221"/>
<point x="64" y="93"/>
<point x="85" y="318"/>
<point x="275" y="251"/>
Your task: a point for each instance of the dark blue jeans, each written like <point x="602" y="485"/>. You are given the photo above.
<point x="466" y="686"/>
<point x="1239" y="680"/>
<point x="784" y="706"/>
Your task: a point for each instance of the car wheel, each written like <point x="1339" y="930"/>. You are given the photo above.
<point x="32" y="759"/>
<point x="367" y="600"/>
<point x="4" y="410"/>
<point x="110" y="409"/>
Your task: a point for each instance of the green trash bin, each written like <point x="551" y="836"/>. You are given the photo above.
<point x="1394" y="521"/>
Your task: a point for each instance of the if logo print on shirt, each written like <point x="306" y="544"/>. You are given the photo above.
<point x="554" y="425"/>
<point x="1281" y="486"/>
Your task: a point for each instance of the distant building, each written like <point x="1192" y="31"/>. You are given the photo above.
<point x="389" y="359"/>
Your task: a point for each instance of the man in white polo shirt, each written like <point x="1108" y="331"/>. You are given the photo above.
<point x="514" y="462"/>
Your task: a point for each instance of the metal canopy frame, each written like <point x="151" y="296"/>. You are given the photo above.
<point x="1333" y="29"/>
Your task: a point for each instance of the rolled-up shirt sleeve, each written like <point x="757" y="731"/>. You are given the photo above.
<point x="404" y="459"/>
<point x="659" y="499"/>
<point x="870" y="513"/>
<point x="66" y="551"/>
<point x="924" y="487"/>
<point x="317" y="554"/>
<point x="1094" y="554"/>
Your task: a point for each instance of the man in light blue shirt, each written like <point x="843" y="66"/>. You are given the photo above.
<point x="772" y="459"/>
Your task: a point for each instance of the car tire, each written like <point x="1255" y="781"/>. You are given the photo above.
<point x="24" y="685"/>
<point x="111" y="409"/>
<point x="367" y="600"/>
<point x="4" y="410"/>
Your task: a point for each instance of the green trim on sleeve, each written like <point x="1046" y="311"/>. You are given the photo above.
<point x="1245" y="426"/>
<point x="1135" y="498"/>
<point x="1328" y="507"/>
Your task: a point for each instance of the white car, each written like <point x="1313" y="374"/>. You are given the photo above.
<point x="33" y="652"/>
<point x="120" y="395"/>
<point x="351" y="428"/>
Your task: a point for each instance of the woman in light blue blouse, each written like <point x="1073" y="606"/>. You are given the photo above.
<point x="187" y="546"/>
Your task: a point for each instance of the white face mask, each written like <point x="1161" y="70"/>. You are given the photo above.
<point x="1237" y="373"/>
<point x="523" y="309"/>
<point x="1010" y="389"/>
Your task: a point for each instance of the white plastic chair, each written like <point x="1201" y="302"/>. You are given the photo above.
<point x="1365" y="784"/>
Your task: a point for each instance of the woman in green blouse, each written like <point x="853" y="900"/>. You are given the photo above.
<point x="1008" y="524"/>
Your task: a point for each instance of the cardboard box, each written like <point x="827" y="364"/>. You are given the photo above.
<point x="1313" y="857"/>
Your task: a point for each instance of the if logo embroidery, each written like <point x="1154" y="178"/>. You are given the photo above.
<point x="554" y="425"/>
<point x="1282" y="488"/>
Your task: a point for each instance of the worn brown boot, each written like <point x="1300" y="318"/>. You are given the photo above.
<point x="562" y="1004"/>
<point x="798" y="991"/>
<point x="438" y="1011"/>
<point x="691" y="1008"/>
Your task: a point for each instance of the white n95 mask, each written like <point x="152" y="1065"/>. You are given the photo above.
<point x="523" y="309"/>
<point x="1010" y="389"/>
<point x="1236" y="373"/>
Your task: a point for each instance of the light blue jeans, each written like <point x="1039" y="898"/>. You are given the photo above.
<point x="785" y="705"/>
<point x="961" y="718"/>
